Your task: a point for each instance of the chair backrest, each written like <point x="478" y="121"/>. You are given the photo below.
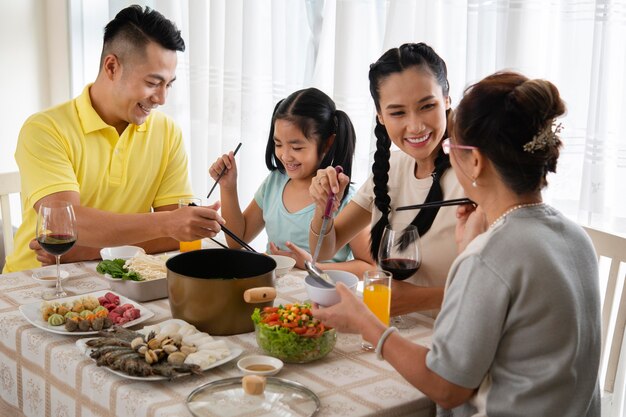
<point x="9" y="184"/>
<point x="613" y="249"/>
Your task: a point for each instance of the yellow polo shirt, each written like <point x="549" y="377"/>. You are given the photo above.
<point x="70" y="148"/>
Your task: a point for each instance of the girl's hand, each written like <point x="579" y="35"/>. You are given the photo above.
<point x="470" y="222"/>
<point x="229" y="179"/>
<point x="350" y="315"/>
<point x="325" y="182"/>
<point x="295" y="252"/>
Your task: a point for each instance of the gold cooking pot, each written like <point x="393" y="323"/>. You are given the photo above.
<point x="207" y="288"/>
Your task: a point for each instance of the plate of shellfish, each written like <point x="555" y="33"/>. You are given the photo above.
<point x="167" y="350"/>
<point x="85" y="314"/>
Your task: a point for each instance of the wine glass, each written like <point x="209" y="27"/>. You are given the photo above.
<point x="400" y="253"/>
<point x="56" y="233"/>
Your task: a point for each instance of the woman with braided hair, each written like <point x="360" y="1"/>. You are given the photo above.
<point x="410" y="88"/>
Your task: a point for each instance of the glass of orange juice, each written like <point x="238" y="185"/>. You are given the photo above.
<point x="377" y="296"/>
<point x="194" y="244"/>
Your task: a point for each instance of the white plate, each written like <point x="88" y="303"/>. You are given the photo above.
<point x="32" y="313"/>
<point x="234" y="352"/>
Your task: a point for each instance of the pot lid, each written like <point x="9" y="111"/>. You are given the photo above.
<point x="226" y="398"/>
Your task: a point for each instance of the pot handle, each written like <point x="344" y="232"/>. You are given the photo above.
<point x="259" y="295"/>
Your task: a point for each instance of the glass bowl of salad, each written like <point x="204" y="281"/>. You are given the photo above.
<point x="291" y="334"/>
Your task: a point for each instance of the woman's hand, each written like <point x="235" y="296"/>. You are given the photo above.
<point x="323" y="183"/>
<point x="229" y="179"/>
<point x="295" y="252"/>
<point x="470" y="222"/>
<point x="350" y="315"/>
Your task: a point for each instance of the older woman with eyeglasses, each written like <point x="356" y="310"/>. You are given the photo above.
<point x="519" y="329"/>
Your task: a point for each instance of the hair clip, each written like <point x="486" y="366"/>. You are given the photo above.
<point x="547" y="136"/>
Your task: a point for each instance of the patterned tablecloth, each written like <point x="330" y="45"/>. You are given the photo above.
<point x="45" y="374"/>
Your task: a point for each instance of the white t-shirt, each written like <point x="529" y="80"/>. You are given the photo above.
<point x="438" y="244"/>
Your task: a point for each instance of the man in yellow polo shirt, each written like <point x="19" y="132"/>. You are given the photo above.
<point x="118" y="161"/>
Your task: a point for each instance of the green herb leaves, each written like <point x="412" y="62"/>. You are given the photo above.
<point x="116" y="269"/>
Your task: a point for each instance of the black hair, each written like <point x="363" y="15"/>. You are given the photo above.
<point x="137" y="27"/>
<point x="317" y="117"/>
<point x="502" y="115"/>
<point x="396" y="60"/>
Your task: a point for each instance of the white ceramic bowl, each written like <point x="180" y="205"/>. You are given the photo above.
<point x="260" y="365"/>
<point x="48" y="276"/>
<point x="283" y="264"/>
<point x="120" y="252"/>
<point x="329" y="296"/>
<point x="140" y="291"/>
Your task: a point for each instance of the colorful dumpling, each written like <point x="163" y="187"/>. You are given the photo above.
<point x="100" y="308"/>
<point x="84" y="325"/>
<point x="47" y="311"/>
<point x="71" y="315"/>
<point x="85" y="313"/>
<point x="90" y="302"/>
<point x="71" y="325"/>
<point x="78" y="307"/>
<point x="56" y="320"/>
<point x="62" y="310"/>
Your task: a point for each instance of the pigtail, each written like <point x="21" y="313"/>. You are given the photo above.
<point x="380" y="170"/>
<point x="342" y="150"/>
<point x="271" y="162"/>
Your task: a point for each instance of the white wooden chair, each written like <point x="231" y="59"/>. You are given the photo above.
<point x="9" y="184"/>
<point x="611" y="251"/>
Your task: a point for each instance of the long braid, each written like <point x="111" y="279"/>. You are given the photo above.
<point x="380" y="170"/>
<point x="426" y="216"/>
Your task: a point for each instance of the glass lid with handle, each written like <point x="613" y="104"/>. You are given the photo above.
<point x="227" y="398"/>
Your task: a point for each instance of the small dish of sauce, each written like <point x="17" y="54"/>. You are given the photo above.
<point x="48" y="276"/>
<point x="259" y="365"/>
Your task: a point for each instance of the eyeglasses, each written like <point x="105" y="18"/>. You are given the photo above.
<point x="446" y="145"/>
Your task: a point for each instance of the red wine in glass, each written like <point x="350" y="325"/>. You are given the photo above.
<point x="400" y="268"/>
<point x="400" y="253"/>
<point x="56" y="233"/>
<point x="56" y="244"/>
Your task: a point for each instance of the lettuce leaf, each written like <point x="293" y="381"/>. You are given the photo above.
<point x="116" y="269"/>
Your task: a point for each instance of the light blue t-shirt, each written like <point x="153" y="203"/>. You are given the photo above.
<point x="282" y="226"/>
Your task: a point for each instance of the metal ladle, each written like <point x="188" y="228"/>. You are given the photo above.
<point x="318" y="275"/>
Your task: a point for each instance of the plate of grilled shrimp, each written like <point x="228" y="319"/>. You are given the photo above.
<point x="168" y="350"/>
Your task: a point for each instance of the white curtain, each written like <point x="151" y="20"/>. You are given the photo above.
<point x="244" y="55"/>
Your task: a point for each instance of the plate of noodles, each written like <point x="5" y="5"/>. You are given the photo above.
<point x="141" y="278"/>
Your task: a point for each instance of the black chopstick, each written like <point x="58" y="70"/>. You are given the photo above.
<point x="236" y="239"/>
<point x="222" y="173"/>
<point x="454" y="202"/>
<point x="219" y="243"/>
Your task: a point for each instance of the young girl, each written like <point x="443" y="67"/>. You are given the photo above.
<point x="410" y="90"/>
<point x="307" y="133"/>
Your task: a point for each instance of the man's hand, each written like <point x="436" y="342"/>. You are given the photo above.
<point x="194" y="223"/>
<point x="42" y="256"/>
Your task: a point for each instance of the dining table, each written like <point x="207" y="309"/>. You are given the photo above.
<point x="46" y="374"/>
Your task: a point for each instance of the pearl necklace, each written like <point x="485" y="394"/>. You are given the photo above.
<point x="512" y="209"/>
